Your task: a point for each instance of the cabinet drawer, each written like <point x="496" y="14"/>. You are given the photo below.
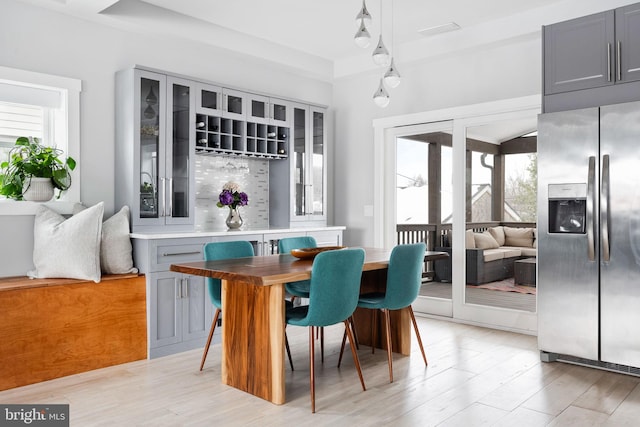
<point x="327" y="238"/>
<point x="165" y="254"/>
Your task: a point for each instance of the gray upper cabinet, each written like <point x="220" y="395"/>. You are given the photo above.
<point x="155" y="141"/>
<point x="593" y="60"/>
<point x="579" y="54"/>
<point x="628" y="42"/>
<point x="298" y="187"/>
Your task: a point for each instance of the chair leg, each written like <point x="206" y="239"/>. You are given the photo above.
<point x="415" y="326"/>
<point x="387" y="322"/>
<point x="353" y="330"/>
<point x="344" y="340"/>
<point x="312" y="374"/>
<point x="213" y="328"/>
<point x="286" y="345"/>
<point x="322" y="344"/>
<point x="354" y="353"/>
<point x="374" y="329"/>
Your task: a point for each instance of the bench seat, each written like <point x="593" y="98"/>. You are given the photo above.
<point x="57" y="327"/>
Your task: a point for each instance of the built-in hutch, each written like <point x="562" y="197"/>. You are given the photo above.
<point x="163" y="122"/>
<point x="592" y="60"/>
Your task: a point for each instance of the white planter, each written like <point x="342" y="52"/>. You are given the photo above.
<point x="37" y="189"/>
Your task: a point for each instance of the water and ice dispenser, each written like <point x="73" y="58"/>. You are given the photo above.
<point x="567" y="208"/>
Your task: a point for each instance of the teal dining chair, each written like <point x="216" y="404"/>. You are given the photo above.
<point x="219" y="251"/>
<point x="298" y="289"/>
<point x="333" y="297"/>
<point x="404" y="277"/>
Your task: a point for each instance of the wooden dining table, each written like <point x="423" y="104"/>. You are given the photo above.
<point x="253" y="301"/>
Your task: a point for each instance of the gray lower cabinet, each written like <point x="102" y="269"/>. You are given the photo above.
<point x="178" y="306"/>
<point x="180" y="313"/>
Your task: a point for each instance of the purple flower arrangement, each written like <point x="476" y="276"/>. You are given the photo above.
<point x="232" y="197"/>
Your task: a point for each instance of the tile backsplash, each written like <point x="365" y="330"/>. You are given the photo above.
<point x="212" y="172"/>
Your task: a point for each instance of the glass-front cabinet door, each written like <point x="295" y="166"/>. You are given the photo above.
<point x="164" y="150"/>
<point x="318" y="162"/>
<point x="151" y="101"/>
<point x="299" y="161"/>
<point x="308" y="160"/>
<point x="208" y="99"/>
<point x="180" y="150"/>
<point x="280" y="112"/>
<point x="233" y="104"/>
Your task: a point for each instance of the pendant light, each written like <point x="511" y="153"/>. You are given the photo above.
<point x="364" y="15"/>
<point x="381" y="96"/>
<point x="362" y="37"/>
<point x="392" y="76"/>
<point x="381" y="54"/>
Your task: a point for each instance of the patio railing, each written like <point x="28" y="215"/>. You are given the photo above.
<point x="435" y="235"/>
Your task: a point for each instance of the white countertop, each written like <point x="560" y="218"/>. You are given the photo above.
<point x="218" y="233"/>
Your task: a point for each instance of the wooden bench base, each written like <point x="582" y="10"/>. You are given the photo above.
<point x="51" y="328"/>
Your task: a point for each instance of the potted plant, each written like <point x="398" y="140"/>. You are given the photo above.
<point x="31" y="163"/>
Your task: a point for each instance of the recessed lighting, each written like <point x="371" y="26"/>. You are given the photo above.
<point x="444" y="28"/>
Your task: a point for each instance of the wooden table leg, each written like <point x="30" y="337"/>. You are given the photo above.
<point x="253" y="339"/>
<point x="375" y="281"/>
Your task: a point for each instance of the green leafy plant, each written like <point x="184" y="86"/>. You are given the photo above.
<point x="27" y="159"/>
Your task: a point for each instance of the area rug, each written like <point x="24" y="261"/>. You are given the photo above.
<point x="507" y="285"/>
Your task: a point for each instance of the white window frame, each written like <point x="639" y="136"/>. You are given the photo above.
<point x="70" y="93"/>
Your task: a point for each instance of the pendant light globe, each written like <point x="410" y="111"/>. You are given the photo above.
<point x="362" y="37"/>
<point x="380" y="54"/>
<point x="381" y="96"/>
<point x="392" y="76"/>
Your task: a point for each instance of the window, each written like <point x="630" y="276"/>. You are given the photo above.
<point x="521" y="190"/>
<point x="46" y="107"/>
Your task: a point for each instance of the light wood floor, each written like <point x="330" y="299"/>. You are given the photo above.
<point x="475" y="377"/>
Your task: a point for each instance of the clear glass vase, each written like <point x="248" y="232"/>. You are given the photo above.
<point x="234" y="220"/>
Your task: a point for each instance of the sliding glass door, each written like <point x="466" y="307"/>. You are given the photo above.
<point x="458" y="184"/>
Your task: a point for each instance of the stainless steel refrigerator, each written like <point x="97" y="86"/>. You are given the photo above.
<point x="589" y="236"/>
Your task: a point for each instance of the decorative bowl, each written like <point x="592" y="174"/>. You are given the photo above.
<point x="310" y="253"/>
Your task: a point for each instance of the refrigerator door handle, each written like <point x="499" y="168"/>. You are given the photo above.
<point x="591" y="195"/>
<point x="604" y="203"/>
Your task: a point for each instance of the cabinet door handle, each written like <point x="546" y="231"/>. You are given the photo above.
<point x="185" y="283"/>
<point x="162" y="197"/>
<point x="618" y="60"/>
<point x="170" y="194"/>
<point x="608" y="62"/>
<point x="178" y="287"/>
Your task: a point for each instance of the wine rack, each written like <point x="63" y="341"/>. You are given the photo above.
<point x="224" y="136"/>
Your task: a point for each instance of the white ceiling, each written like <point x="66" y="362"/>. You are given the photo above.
<point x="325" y="28"/>
<point x="312" y="35"/>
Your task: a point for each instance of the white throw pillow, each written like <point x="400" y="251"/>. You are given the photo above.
<point x="115" y="249"/>
<point x="518" y="237"/>
<point x="498" y="234"/>
<point x="485" y="240"/>
<point x="469" y="240"/>
<point x="67" y="248"/>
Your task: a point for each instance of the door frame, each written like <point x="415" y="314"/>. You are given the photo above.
<point x="385" y="132"/>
